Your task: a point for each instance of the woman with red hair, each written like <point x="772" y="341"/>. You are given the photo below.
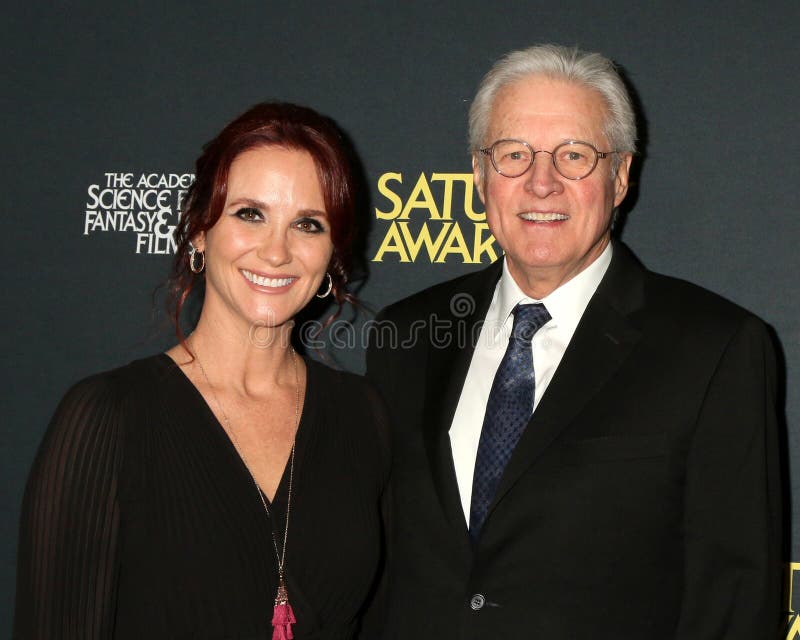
<point x="228" y="487"/>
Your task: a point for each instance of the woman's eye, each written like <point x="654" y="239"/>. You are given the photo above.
<point x="309" y="225"/>
<point x="248" y="214"/>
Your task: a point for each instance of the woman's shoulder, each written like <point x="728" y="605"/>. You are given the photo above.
<point x="351" y="396"/>
<point x="136" y="373"/>
<point x="87" y="429"/>
<point x="106" y="394"/>
<point x="343" y="387"/>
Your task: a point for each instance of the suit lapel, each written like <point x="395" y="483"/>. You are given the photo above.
<point x="602" y="341"/>
<point x="447" y="368"/>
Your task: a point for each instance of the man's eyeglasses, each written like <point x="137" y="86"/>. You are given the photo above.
<point x="572" y="159"/>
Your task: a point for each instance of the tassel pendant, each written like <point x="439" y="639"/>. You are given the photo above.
<point x="282" y="615"/>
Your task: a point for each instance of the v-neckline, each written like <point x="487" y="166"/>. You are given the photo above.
<point x="299" y="438"/>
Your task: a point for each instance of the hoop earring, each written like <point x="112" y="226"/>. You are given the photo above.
<point x="195" y="252"/>
<point x="330" y="286"/>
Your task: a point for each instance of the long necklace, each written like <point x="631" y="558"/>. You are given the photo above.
<point x="282" y="613"/>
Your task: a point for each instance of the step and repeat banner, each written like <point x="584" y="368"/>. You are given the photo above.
<point x="106" y="106"/>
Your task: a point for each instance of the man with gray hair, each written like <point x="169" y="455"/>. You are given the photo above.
<point x="601" y="462"/>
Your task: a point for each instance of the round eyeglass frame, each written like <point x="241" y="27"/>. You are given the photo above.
<point x="598" y="155"/>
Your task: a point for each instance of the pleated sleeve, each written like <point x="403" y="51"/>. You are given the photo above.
<point x="68" y="569"/>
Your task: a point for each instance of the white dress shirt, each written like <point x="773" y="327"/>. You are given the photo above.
<point x="566" y="306"/>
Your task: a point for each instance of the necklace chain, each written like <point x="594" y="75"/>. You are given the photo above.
<point x="280" y="556"/>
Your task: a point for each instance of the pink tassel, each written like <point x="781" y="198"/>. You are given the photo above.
<point x="282" y="621"/>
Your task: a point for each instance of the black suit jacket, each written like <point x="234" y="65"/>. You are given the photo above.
<point x="642" y="501"/>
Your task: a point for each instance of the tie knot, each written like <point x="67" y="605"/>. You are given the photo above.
<point x="528" y="319"/>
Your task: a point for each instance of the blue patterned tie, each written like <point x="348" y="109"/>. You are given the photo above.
<point x="508" y="410"/>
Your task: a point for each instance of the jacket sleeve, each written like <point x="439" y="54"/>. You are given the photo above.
<point x="67" y="559"/>
<point x="733" y="521"/>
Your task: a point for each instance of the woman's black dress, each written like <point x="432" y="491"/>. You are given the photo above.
<point x="141" y="521"/>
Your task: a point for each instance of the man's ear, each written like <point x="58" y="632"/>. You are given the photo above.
<point x="477" y="175"/>
<point x="621" y="179"/>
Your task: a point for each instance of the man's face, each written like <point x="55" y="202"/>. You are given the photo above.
<point x="551" y="228"/>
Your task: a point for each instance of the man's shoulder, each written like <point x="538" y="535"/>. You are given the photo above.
<point x="688" y="318"/>
<point x="455" y="296"/>
<point x="674" y="297"/>
<point x="691" y="300"/>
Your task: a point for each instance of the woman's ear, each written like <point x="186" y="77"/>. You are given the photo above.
<point x="199" y="241"/>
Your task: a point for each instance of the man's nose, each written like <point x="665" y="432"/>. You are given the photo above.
<point x="542" y="179"/>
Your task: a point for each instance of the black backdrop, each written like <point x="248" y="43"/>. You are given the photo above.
<point x="101" y="94"/>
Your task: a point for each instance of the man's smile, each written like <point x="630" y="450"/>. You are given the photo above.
<point x="543" y="216"/>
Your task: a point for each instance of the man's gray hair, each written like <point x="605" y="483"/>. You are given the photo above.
<point x="592" y="70"/>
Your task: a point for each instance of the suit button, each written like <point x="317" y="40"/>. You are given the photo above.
<point x="477" y="601"/>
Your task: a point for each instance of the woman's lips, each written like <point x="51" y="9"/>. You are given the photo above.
<point x="267" y="281"/>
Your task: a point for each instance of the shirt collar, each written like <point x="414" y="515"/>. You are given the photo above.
<point x="566" y="304"/>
